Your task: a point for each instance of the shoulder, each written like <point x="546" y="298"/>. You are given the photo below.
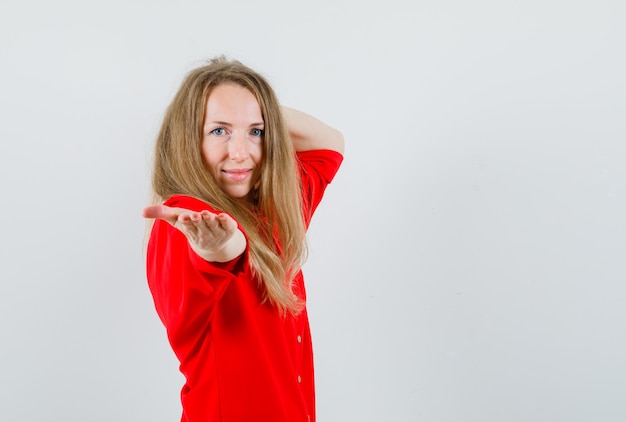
<point x="317" y="170"/>
<point x="323" y="161"/>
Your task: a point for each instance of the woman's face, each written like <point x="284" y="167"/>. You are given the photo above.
<point x="232" y="138"/>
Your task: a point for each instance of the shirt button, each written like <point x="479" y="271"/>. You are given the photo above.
<point x="299" y="339"/>
<point x="299" y="379"/>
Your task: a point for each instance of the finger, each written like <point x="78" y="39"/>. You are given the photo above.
<point x="226" y="222"/>
<point x="153" y="211"/>
<point x="195" y="217"/>
<point x="191" y="218"/>
<point x="190" y="228"/>
<point x="210" y="220"/>
<point x="162" y="212"/>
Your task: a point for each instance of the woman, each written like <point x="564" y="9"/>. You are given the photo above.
<point x="239" y="178"/>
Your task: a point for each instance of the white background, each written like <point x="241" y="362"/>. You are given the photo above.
<point x="467" y="264"/>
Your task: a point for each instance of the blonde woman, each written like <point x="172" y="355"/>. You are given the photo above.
<point x="237" y="178"/>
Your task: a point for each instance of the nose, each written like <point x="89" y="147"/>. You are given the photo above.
<point x="238" y="148"/>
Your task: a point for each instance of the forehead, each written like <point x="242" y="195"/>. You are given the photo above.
<point x="232" y="102"/>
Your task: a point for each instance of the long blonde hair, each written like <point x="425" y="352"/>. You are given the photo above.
<point x="274" y="223"/>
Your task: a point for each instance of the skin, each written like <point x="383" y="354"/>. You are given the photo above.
<point x="215" y="237"/>
<point x="233" y="139"/>
<point x="231" y="148"/>
<point x="308" y="133"/>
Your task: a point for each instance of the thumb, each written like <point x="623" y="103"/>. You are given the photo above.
<point x="161" y="211"/>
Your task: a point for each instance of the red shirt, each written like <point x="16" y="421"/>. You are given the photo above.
<point x="241" y="359"/>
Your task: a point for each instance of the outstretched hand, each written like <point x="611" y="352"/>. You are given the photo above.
<point x="215" y="237"/>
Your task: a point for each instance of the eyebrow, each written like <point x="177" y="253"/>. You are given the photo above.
<point x="230" y="124"/>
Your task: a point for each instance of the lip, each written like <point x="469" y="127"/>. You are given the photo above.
<point x="237" y="175"/>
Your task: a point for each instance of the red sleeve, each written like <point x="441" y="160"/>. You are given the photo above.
<point x="317" y="170"/>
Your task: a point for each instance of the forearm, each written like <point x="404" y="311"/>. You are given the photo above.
<point x="308" y="133"/>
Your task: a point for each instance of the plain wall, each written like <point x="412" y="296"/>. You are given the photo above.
<point x="467" y="263"/>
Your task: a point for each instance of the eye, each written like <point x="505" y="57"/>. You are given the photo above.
<point x="257" y="132"/>
<point x="218" y="131"/>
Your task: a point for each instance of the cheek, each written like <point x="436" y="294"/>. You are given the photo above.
<point x="256" y="152"/>
<point x="211" y="154"/>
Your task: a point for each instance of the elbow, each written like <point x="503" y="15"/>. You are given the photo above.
<point x="338" y="143"/>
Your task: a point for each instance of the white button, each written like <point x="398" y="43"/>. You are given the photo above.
<point x="299" y="379"/>
<point x="299" y="339"/>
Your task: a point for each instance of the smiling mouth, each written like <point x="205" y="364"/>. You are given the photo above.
<point x="238" y="174"/>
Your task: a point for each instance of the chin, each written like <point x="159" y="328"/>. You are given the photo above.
<point x="239" y="194"/>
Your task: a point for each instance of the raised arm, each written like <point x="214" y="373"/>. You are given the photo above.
<point x="308" y="133"/>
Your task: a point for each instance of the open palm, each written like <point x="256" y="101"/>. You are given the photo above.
<point x="215" y="237"/>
